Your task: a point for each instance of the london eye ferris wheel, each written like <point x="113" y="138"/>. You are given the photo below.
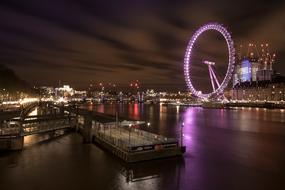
<point x="217" y="86"/>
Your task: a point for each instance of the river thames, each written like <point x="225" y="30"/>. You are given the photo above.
<point x="226" y="149"/>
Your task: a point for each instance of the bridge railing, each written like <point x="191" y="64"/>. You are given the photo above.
<point x="8" y="129"/>
<point x="39" y="127"/>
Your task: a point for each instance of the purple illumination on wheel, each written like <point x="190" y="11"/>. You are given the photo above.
<point x="231" y="61"/>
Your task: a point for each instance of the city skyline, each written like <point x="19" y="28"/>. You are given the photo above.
<point x="146" y="94"/>
<point x="118" y="42"/>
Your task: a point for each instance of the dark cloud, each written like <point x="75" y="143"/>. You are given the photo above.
<point x="81" y="42"/>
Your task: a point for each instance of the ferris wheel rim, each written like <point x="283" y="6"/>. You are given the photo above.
<point x="231" y="58"/>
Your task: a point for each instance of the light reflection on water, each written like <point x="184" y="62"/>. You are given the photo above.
<point x="226" y="149"/>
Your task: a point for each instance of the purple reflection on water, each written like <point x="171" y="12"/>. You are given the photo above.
<point x="190" y="123"/>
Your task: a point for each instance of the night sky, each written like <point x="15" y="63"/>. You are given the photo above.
<point x="88" y="41"/>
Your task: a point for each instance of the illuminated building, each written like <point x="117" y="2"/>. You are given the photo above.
<point x="254" y="78"/>
<point x="64" y="91"/>
<point x="256" y="65"/>
<point x="266" y="90"/>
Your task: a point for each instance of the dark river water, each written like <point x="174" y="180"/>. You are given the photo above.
<point x="226" y="149"/>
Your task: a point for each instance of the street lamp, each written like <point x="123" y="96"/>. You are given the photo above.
<point x="181" y="134"/>
<point x="130" y="126"/>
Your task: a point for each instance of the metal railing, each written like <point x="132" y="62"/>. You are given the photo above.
<point x="133" y="140"/>
<point x="9" y="131"/>
<point x="35" y="127"/>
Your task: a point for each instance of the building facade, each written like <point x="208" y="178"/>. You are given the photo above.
<point x="262" y="91"/>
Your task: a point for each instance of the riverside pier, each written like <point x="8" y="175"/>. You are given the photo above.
<point x="126" y="140"/>
<point x="134" y="145"/>
<point x="122" y="137"/>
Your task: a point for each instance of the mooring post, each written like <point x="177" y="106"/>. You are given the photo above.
<point x="87" y="128"/>
<point x="61" y="110"/>
<point x="17" y="143"/>
<point x="181" y="134"/>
